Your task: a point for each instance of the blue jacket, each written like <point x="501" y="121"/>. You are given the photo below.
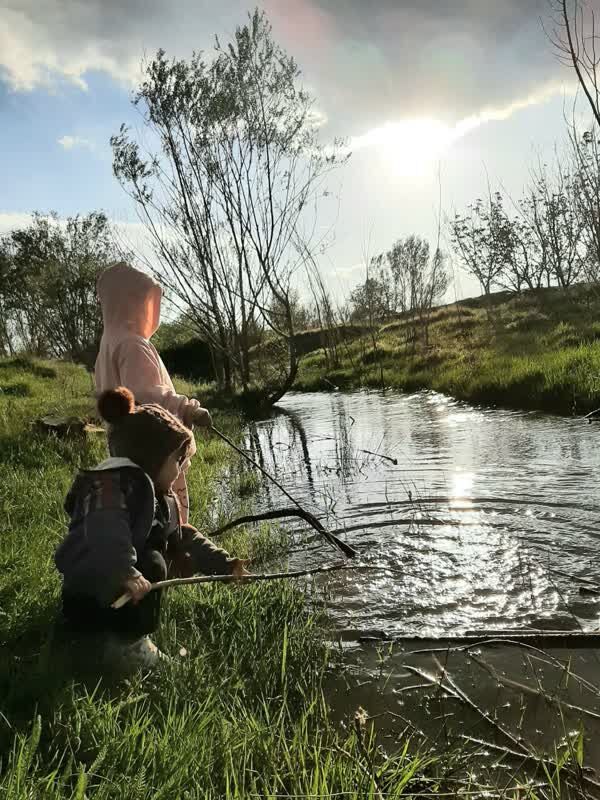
<point x="114" y="516"/>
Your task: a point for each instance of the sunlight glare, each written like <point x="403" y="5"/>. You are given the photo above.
<point x="413" y="146"/>
<point x="461" y="490"/>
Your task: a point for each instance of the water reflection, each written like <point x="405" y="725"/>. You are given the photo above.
<point x="467" y="526"/>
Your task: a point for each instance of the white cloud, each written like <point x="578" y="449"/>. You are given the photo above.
<point x="414" y="55"/>
<point x="499" y="114"/>
<point x="71" y="142"/>
<point x="45" y="43"/>
<point x="37" y="51"/>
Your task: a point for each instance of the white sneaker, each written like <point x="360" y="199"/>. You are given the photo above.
<point x="143" y="652"/>
<point x="127" y="655"/>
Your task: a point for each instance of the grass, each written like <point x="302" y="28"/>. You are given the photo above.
<point x="538" y="351"/>
<point x="242" y="714"/>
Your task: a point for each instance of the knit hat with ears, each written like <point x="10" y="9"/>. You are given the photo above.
<point x="146" y="434"/>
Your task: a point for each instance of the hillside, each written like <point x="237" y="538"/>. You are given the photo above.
<point x="537" y="350"/>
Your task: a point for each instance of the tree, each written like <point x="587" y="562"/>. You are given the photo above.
<point x="526" y="264"/>
<point x="229" y="192"/>
<point x="576" y="41"/>
<point x="7" y="299"/>
<point x="406" y="279"/>
<point x="419" y="280"/>
<point x="369" y="301"/>
<point x="548" y="242"/>
<point x="556" y="225"/>
<point x="48" y="273"/>
<point x="577" y="45"/>
<point x="586" y="168"/>
<point x="482" y="240"/>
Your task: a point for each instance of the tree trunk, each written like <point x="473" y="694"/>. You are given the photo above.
<point x="294" y="363"/>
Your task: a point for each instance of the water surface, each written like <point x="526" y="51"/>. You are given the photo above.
<point x="470" y="513"/>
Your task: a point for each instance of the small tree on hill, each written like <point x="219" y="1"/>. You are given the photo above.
<point x="419" y="278"/>
<point x="369" y="301"/>
<point x="586" y="169"/>
<point x="482" y="240"/>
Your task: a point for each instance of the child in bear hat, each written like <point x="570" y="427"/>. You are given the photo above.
<point x="125" y="531"/>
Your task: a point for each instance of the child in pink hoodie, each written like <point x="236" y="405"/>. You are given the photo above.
<point x="130" y="302"/>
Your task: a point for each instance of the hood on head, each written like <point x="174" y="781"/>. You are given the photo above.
<point x="129" y="299"/>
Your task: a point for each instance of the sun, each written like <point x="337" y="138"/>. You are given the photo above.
<point x="410" y="147"/>
<point x="413" y="147"/>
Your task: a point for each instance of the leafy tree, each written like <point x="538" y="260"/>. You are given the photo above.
<point x="559" y="225"/>
<point x="482" y="240"/>
<point x="229" y="192"/>
<point x="586" y="183"/>
<point x="372" y="300"/>
<point x="406" y="280"/>
<point x="48" y="273"/>
<point x="419" y="279"/>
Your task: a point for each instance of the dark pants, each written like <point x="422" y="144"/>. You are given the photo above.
<point x="84" y="614"/>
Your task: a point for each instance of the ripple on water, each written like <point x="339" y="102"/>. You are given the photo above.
<point x="469" y="528"/>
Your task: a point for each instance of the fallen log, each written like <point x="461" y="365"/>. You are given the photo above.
<point x="65" y="427"/>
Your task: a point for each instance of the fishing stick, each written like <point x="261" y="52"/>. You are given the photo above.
<point x="348" y="551"/>
<point x="272" y="576"/>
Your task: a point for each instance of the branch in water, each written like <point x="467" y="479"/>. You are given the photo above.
<point x="275" y="514"/>
<point x="348" y="551"/>
<point x="394" y="461"/>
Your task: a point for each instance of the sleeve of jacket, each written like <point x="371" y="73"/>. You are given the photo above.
<point x="107" y="532"/>
<point x="206" y="556"/>
<point x="140" y="371"/>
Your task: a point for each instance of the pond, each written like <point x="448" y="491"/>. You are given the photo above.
<point x="472" y="526"/>
<point x="477" y="520"/>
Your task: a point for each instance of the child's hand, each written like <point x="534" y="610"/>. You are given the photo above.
<point x="137" y="588"/>
<point x="202" y="418"/>
<point x="238" y="568"/>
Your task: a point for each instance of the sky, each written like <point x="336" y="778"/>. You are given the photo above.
<point x="435" y="98"/>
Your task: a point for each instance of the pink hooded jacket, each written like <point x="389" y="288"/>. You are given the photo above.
<point x="130" y="302"/>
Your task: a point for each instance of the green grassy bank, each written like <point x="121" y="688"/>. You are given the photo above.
<point x="241" y="714"/>
<point x="537" y="350"/>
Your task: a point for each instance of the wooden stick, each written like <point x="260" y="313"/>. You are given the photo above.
<point x="575" y="578"/>
<point x="531" y="756"/>
<point x="393" y="461"/>
<point x="506" y="750"/>
<point x="542" y="655"/>
<point x="484" y="714"/>
<point x="277" y="513"/>
<point x="273" y="576"/>
<point x="459" y="694"/>
<point x="432" y="680"/>
<point x="523" y="687"/>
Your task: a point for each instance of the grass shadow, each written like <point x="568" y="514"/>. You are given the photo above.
<point x="26" y="364"/>
<point x="15" y="390"/>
